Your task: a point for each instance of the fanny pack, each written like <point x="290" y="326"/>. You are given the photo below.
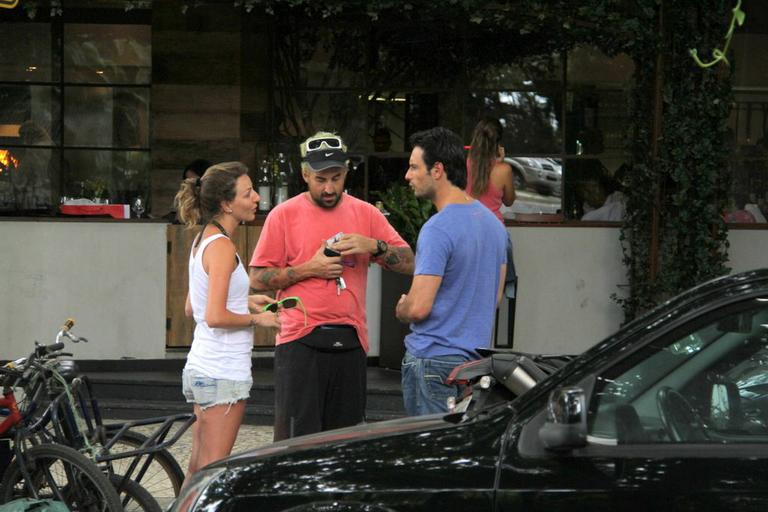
<point x="332" y="338"/>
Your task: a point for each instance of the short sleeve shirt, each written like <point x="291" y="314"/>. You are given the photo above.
<point x="465" y="245"/>
<point x="292" y="234"/>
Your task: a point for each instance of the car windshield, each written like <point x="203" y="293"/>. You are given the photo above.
<point x="698" y="367"/>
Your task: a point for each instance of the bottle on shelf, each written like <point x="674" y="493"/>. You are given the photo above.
<point x="264" y="186"/>
<point x="282" y="171"/>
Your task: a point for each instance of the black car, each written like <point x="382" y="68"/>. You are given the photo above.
<point x="670" y="413"/>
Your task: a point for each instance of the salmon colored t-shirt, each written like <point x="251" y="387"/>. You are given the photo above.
<point x="293" y="232"/>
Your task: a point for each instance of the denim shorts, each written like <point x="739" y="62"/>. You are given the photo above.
<point x="207" y="392"/>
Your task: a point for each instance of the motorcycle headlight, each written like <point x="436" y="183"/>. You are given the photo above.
<point x="195" y="488"/>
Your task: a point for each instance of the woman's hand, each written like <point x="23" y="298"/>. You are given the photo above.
<point x="266" y="319"/>
<point x="257" y="302"/>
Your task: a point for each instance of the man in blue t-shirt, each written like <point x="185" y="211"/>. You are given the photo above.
<point x="458" y="281"/>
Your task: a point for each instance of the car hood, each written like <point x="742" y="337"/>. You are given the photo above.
<point x="363" y="431"/>
<point x="433" y="454"/>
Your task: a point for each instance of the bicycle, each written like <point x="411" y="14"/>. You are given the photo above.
<point x="73" y="417"/>
<point x="50" y="471"/>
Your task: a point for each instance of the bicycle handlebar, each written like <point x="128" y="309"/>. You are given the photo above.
<point x="65" y="332"/>
<point x="44" y="350"/>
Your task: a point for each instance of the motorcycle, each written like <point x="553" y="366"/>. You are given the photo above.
<point x="500" y="376"/>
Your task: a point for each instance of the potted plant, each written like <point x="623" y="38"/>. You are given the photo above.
<point x="98" y="188"/>
<point x="407" y="214"/>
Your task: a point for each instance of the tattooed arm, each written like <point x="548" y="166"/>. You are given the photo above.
<point x="275" y="278"/>
<point x="398" y="259"/>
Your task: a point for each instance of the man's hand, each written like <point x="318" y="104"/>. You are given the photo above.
<point x="399" y="259"/>
<point x="399" y="312"/>
<point x="324" y="267"/>
<point x="352" y="243"/>
<point x="273" y="278"/>
<point x="416" y="305"/>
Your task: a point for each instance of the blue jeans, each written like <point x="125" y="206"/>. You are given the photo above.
<point x="424" y="391"/>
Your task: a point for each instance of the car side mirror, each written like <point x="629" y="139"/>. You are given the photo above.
<point x="566" y="425"/>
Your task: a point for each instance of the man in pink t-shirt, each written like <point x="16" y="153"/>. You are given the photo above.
<point x="320" y="358"/>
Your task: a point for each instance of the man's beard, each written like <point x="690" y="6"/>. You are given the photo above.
<point x="319" y="202"/>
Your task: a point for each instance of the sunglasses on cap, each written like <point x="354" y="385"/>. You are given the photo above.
<point x="286" y="303"/>
<point x="328" y="142"/>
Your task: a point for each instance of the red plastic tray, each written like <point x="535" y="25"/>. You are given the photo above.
<point x="118" y="211"/>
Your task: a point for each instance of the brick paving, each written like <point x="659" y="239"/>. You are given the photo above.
<point x="249" y="437"/>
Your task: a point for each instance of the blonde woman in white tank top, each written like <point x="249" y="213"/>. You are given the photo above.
<point x="217" y="376"/>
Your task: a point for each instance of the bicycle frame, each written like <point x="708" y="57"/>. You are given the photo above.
<point x="14" y="416"/>
<point x="71" y="415"/>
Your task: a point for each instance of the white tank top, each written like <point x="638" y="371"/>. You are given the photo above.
<point x="219" y="353"/>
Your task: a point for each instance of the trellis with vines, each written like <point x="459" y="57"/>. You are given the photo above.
<point x="673" y="235"/>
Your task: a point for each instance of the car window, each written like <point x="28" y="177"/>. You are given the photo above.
<point x="705" y="382"/>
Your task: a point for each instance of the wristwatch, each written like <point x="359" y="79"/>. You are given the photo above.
<point x="381" y="248"/>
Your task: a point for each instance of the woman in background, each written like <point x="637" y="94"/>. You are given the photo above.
<point x="217" y="375"/>
<point x="491" y="181"/>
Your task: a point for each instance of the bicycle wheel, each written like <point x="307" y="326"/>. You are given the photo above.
<point x="133" y="496"/>
<point x="163" y="477"/>
<point x="61" y="473"/>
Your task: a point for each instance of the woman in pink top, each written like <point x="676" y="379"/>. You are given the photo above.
<point x="491" y="181"/>
<point x="489" y="177"/>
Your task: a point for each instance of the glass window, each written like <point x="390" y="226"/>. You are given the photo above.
<point x="27" y="53"/>
<point x="79" y="109"/>
<point x="596" y="122"/>
<point x="597" y="104"/>
<point x="101" y="53"/>
<point x="531" y="119"/>
<point x="106" y="117"/>
<point x="299" y="112"/>
<point x="320" y="56"/>
<point x="594" y="189"/>
<point x="30" y="115"/>
<point x="532" y="143"/>
<point x="538" y="185"/>
<point x="588" y="65"/>
<point x="386" y="121"/>
<point x="703" y="384"/>
<point x="415" y="55"/>
<point x="748" y="120"/>
<point x="520" y="72"/>
<point x="119" y="176"/>
<point x="28" y="179"/>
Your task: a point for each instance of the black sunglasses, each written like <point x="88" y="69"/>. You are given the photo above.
<point x="330" y="142"/>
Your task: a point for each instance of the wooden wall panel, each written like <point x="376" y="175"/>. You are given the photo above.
<point x="181" y="328"/>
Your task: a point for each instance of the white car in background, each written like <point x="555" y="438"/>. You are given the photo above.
<point x="543" y="175"/>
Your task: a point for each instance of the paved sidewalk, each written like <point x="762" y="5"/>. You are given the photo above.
<point x="250" y="436"/>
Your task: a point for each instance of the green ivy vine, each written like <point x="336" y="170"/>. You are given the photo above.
<point x="673" y="235"/>
<point x="686" y="184"/>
